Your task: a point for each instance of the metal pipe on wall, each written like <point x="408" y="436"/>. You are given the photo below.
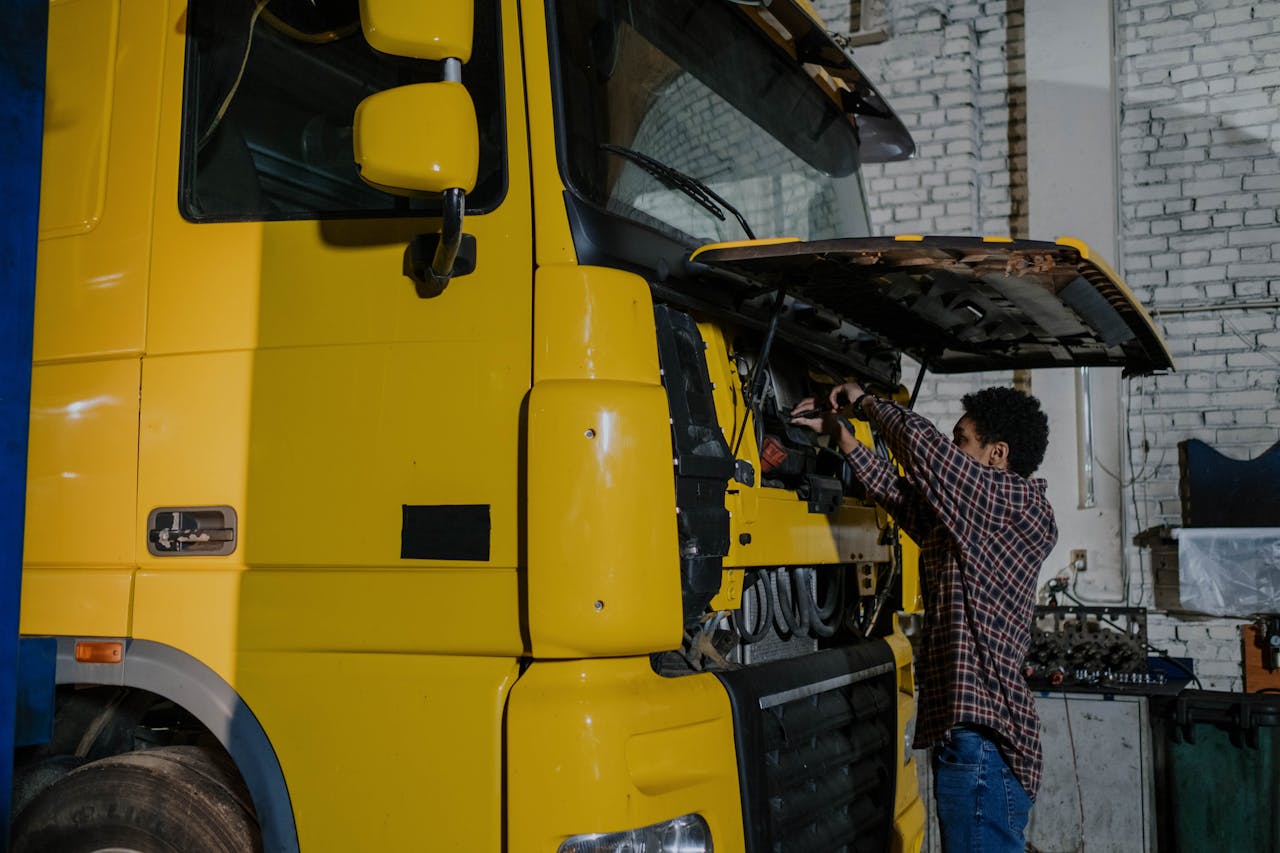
<point x="1084" y="440"/>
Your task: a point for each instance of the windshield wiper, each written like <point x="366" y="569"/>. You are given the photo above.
<point x="677" y="180"/>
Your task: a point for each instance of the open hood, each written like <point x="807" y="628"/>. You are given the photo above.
<point x="962" y="304"/>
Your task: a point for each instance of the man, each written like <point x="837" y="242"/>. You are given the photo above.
<point x="984" y="529"/>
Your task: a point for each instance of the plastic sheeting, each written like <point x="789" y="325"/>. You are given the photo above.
<point x="1229" y="571"/>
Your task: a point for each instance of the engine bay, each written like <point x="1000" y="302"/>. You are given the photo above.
<point x="746" y="598"/>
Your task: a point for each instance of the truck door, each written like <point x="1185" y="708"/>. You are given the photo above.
<point x="364" y="435"/>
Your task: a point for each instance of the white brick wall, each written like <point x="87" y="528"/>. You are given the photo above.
<point x="1199" y="167"/>
<point x="955" y="74"/>
<point x="1200" y="182"/>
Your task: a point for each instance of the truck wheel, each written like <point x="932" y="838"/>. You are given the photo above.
<point x="31" y="780"/>
<point x="174" y="799"/>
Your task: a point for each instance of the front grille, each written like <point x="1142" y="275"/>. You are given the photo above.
<point x="817" y="750"/>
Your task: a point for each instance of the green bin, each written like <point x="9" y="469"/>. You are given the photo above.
<point x="1217" y="772"/>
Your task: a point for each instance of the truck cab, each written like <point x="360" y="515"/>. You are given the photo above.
<point x="411" y="464"/>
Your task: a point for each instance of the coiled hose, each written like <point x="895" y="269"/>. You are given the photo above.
<point x="756" y="589"/>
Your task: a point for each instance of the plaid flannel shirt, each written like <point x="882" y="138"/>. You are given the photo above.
<point x="983" y="535"/>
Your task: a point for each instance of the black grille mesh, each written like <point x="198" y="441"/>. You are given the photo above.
<point x="817" y="751"/>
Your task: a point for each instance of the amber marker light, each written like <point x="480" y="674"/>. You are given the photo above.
<point x="101" y="651"/>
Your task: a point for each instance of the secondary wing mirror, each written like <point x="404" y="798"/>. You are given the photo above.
<point x="438" y="31"/>
<point x="422" y="138"/>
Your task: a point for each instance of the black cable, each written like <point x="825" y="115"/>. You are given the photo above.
<point x="881" y="448"/>
<point x="915" y="392"/>
<point x="749" y="391"/>
<point x="883" y="596"/>
<point x="1075" y="766"/>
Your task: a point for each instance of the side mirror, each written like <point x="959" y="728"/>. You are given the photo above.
<point x="418" y="139"/>
<point x="422" y="138"/>
<point x="421" y="30"/>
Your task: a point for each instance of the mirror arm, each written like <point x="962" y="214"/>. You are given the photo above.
<point x="441" y="270"/>
<point x="453" y="207"/>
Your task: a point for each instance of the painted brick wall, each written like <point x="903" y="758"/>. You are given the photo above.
<point x="955" y="74"/>
<point x="1199" y="95"/>
<point x="1199" y="84"/>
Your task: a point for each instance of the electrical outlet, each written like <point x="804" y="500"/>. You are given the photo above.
<point x="1079" y="559"/>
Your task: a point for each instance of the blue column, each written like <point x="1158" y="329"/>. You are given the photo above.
<point x="22" y="70"/>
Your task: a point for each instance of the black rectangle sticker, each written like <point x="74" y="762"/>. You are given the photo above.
<point x="445" y="532"/>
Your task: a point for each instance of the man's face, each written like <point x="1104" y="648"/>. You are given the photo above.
<point x="995" y="454"/>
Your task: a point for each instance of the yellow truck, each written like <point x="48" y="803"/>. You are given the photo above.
<point x="410" y="466"/>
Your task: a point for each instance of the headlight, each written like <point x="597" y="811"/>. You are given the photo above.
<point x="686" y="834"/>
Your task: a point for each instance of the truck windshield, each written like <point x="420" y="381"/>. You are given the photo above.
<point x="701" y="88"/>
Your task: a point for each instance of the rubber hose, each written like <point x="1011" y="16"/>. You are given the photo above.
<point x="793" y="610"/>
<point x="783" y="617"/>
<point x="764" y="614"/>
<point x="835" y="595"/>
<point x="809" y="592"/>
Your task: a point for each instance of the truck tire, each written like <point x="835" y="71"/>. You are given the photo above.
<point x="174" y="799"/>
<point x="32" y="779"/>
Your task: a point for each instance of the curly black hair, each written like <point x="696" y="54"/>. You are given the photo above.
<point x="1009" y="415"/>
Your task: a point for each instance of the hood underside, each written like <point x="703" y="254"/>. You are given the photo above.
<point x="963" y="304"/>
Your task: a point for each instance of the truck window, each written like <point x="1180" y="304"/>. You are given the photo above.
<point x="701" y="88"/>
<point x="271" y="90"/>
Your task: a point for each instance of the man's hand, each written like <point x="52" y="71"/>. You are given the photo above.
<point x="825" y="422"/>
<point x="851" y="391"/>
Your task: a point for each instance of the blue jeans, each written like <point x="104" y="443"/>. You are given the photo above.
<point x="982" y="807"/>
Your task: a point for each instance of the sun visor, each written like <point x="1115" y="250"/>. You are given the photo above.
<point x="963" y="304"/>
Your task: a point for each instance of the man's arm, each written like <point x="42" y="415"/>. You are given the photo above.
<point x="955" y="485"/>
<point x="889" y="489"/>
<point x="880" y="477"/>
